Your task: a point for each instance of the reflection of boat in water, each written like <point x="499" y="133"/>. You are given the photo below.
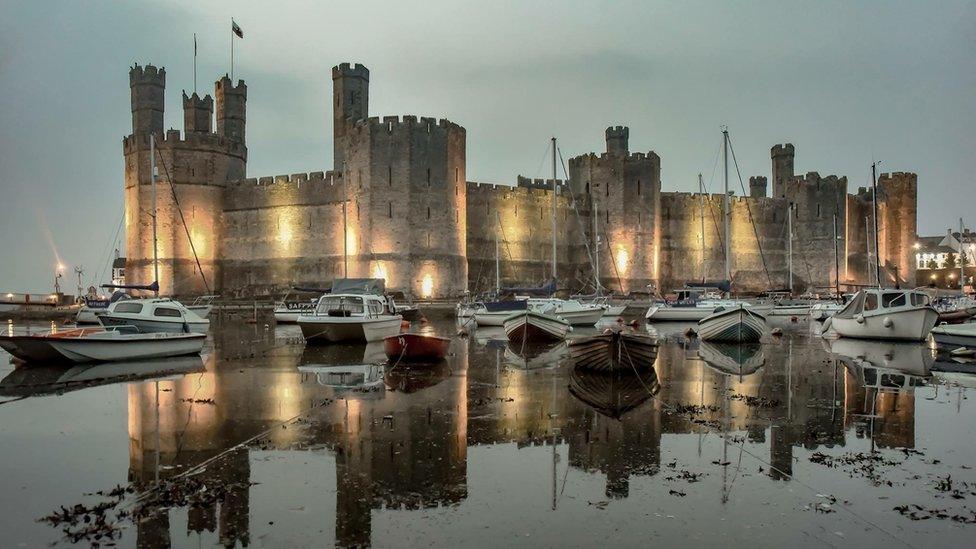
<point x="613" y="351"/>
<point x="534" y="356"/>
<point x="49" y="379"/>
<point x="730" y="358"/>
<point x="354" y="377"/>
<point x="613" y="394"/>
<point x="884" y="364"/>
<point x="955" y="371"/>
<point x="406" y="379"/>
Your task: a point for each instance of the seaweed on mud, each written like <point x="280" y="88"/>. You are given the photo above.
<point x="756" y="401"/>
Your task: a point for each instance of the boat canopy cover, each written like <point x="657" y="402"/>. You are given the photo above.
<point x="154" y="287"/>
<point x="506" y="305"/>
<point x="545" y="290"/>
<point x="853" y="307"/>
<point x="310" y="290"/>
<point x="723" y="285"/>
<point x="375" y="286"/>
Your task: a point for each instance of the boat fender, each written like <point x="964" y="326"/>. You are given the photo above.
<point x="859" y="318"/>
<point x="776" y="332"/>
<point x="887" y="322"/>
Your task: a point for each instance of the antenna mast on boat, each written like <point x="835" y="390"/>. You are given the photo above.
<point x="726" y="213"/>
<point x="874" y="202"/>
<point x="701" y="193"/>
<point x="498" y="276"/>
<point x="836" y="261"/>
<point x="554" y="209"/>
<point x="345" y="225"/>
<point x="152" y="179"/>
<point x="962" y="262"/>
<point x="596" y="249"/>
<point x="789" y="236"/>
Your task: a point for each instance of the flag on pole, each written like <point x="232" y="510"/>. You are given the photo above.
<point x="236" y="29"/>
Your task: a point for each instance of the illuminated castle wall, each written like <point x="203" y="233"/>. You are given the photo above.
<point x="413" y="218"/>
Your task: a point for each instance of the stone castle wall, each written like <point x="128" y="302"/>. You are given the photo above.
<point x="520" y="218"/>
<point x="415" y="220"/>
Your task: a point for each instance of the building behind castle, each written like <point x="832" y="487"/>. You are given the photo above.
<point x="413" y="217"/>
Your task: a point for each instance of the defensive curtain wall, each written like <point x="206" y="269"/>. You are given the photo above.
<point x="413" y="218"/>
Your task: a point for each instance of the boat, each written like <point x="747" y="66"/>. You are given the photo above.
<point x="155" y="314"/>
<point x="612" y="351"/>
<point x="689" y="306"/>
<point x="884" y="364"/>
<point x="202" y="305"/>
<point x="739" y="359"/>
<point x="288" y="310"/>
<point x="494" y="313"/>
<point x="822" y="310"/>
<point x="356" y="310"/>
<point x="735" y="325"/>
<point x="531" y="327"/>
<point x="409" y="312"/>
<point x="955" y="335"/>
<point x="416" y="348"/>
<point x="534" y="356"/>
<point x="797" y="308"/>
<point x="123" y="344"/>
<point x="88" y="313"/>
<point x="38" y="348"/>
<point x="875" y="313"/>
<point x="957" y="316"/>
<point x="51" y="379"/>
<point x="572" y="311"/>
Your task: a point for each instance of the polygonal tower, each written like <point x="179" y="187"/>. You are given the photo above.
<point x="625" y="190"/>
<point x="782" y="158"/>
<point x="350" y="102"/>
<point x="897" y="227"/>
<point x="191" y="170"/>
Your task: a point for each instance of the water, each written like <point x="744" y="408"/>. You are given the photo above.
<point x="796" y="446"/>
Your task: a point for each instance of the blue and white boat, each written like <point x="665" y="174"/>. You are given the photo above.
<point x="738" y="324"/>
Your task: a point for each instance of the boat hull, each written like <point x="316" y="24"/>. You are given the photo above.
<point x="531" y="327"/>
<point x="39" y="348"/>
<point x="958" y="335"/>
<point x="614" y="310"/>
<point x="492" y="318"/>
<point x="902" y="325"/>
<point x="584" y="317"/>
<point x="663" y="313"/>
<point x="128" y="346"/>
<point x="327" y="329"/>
<point x="789" y="310"/>
<point x="416" y="348"/>
<point x="739" y="325"/>
<point x="612" y="352"/>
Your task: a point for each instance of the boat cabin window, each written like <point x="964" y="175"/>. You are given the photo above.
<point x="374" y="307"/>
<point x="346" y="305"/>
<point x="128" y="308"/>
<point x="893" y="299"/>
<point x="919" y="300"/>
<point x="870" y="302"/>
<point x="166" y="311"/>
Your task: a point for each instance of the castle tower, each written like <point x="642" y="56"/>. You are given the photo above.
<point x="196" y="167"/>
<point x="782" y="157"/>
<point x="897" y="226"/>
<point x="350" y="102"/>
<point x="625" y="189"/>
<point x="197" y="113"/>
<point x="146" y="85"/>
<point x="231" y="107"/>
<point x="757" y="186"/>
<point x="617" y="137"/>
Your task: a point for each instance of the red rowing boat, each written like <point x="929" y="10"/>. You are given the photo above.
<point x="416" y="348"/>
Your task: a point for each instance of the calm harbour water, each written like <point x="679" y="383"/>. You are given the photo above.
<point x="789" y="443"/>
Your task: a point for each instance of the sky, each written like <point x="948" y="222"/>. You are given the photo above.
<point x="846" y="82"/>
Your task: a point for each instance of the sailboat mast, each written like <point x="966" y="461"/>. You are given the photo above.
<point x="874" y="202"/>
<point x="596" y="249"/>
<point x="962" y="261"/>
<point x="345" y="226"/>
<point x="152" y="179"/>
<point x="701" y="194"/>
<point x="554" y="209"/>
<point x="498" y="276"/>
<point x="725" y="203"/>
<point x="836" y="261"/>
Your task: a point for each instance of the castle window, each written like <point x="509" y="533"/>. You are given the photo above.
<point x="608" y="216"/>
<point x="428" y="177"/>
<point x="456" y="175"/>
<point x="389" y="174"/>
<point x="428" y="212"/>
<point x="608" y="189"/>
<point x="587" y="187"/>
<point x="457" y="215"/>
<point x="516" y="210"/>
<point x="818" y="211"/>
<point x="357" y="211"/>
<point x="540" y="212"/>
<point x="638" y="187"/>
<point x="428" y="240"/>
<point x="391" y="210"/>
<point x="457" y="190"/>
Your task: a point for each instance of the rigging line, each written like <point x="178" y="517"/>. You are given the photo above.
<point x="672" y="410"/>
<point x="582" y="229"/>
<point x="755" y="230"/>
<point x="176" y="200"/>
<point x="104" y="262"/>
<point x="711" y="208"/>
<point x="542" y="161"/>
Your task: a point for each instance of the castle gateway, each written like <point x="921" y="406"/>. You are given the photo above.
<point x="399" y="192"/>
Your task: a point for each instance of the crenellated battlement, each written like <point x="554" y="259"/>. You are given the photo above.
<point x="784" y="149"/>
<point x="227" y="87"/>
<point x="393" y="124"/>
<point x="350" y="70"/>
<point x="147" y="75"/>
<point x="195" y="101"/>
<point x="814" y="179"/>
<point x="310" y="178"/>
<point x="898" y="178"/>
<point x="609" y="158"/>
<point x="543" y="184"/>
<point x="174" y="139"/>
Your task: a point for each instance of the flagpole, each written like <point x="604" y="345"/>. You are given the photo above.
<point x="194" y="62"/>
<point x="231" y="51"/>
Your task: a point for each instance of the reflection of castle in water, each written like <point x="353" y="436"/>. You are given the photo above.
<point x="406" y="446"/>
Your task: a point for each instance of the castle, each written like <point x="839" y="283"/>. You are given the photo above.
<point x="399" y="188"/>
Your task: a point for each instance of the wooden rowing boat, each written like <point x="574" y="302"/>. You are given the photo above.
<point x="532" y="327"/>
<point x="416" y="348"/>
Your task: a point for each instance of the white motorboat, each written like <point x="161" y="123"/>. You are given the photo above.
<point x="790" y="308"/>
<point x="677" y="312"/>
<point x="532" y="327"/>
<point x="118" y="345"/>
<point x="202" y="305"/>
<point x="37" y="348"/>
<point x="154" y="315"/>
<point x="570" y="310"/>
<point x="494" y="313"/>
<point x="955" y="335"/>
<point x="733" y="325"/>
<point x="822" y="310"/>
<point x="88" y="313"/>
<point x="884" y="314"/>
<point x="349" y="317"/>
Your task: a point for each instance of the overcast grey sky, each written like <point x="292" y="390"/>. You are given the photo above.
<point x="846" y="82"/>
